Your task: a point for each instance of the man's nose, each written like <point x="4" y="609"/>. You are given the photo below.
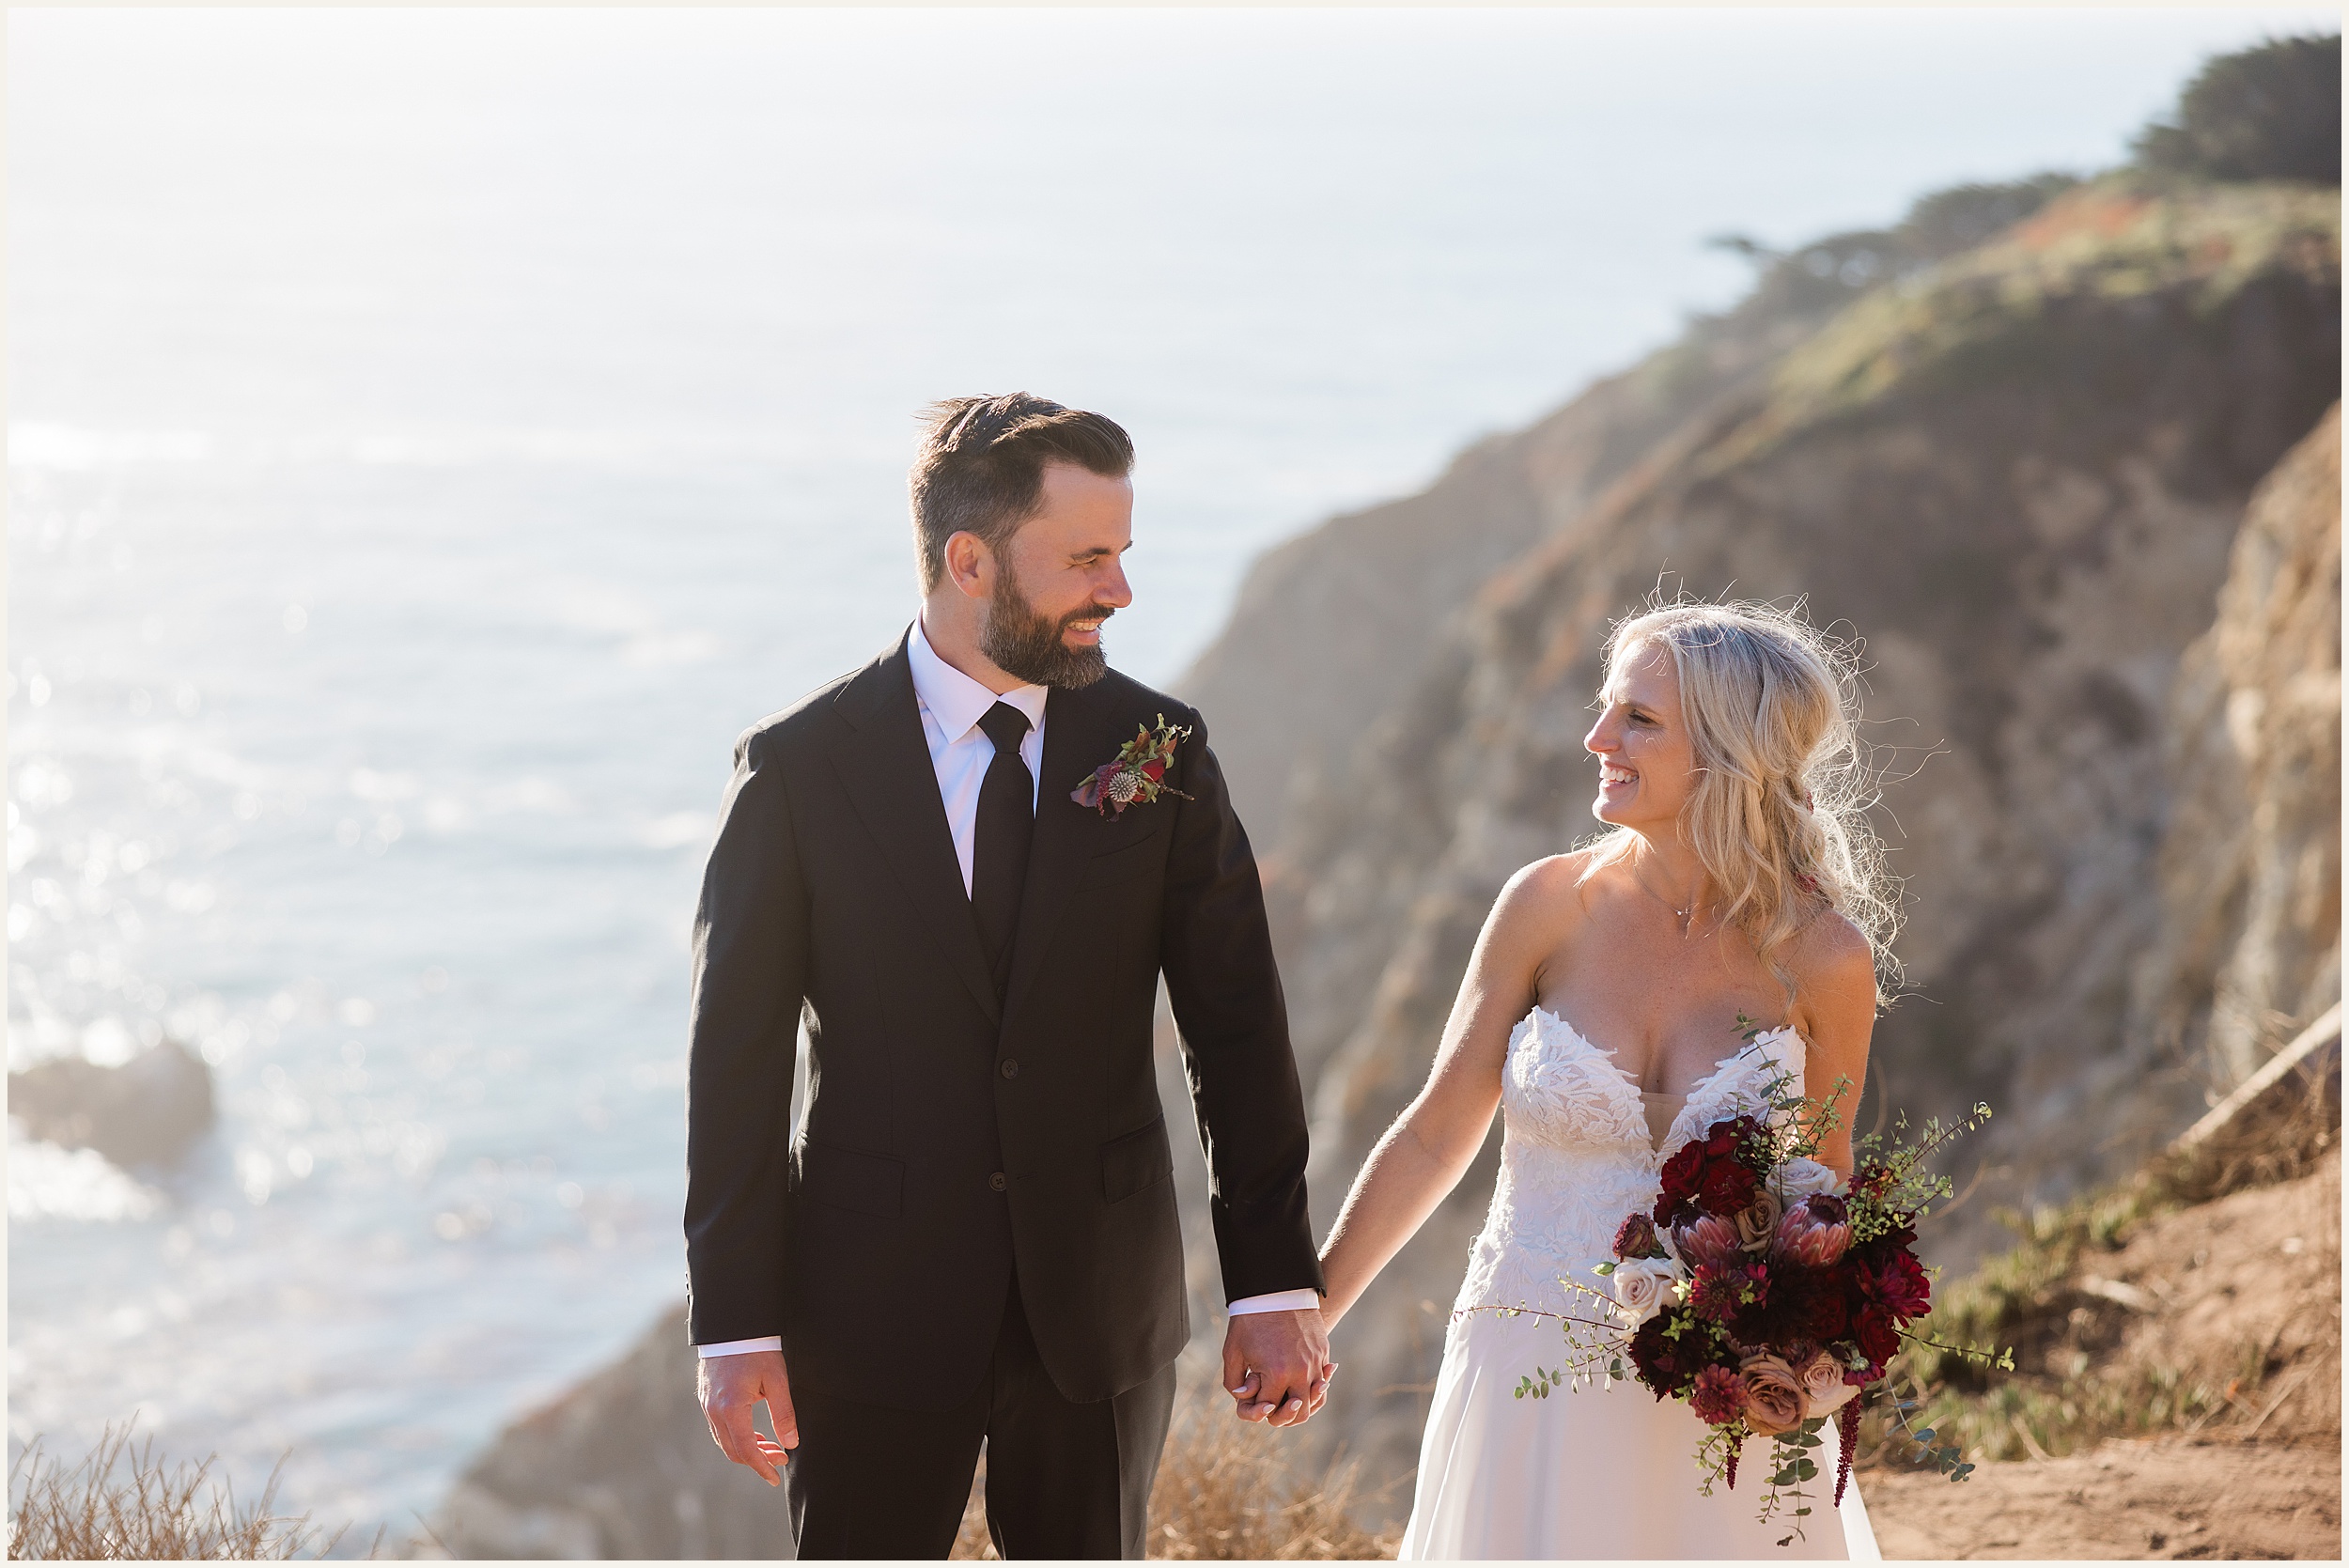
<point x="1112" y="588"/>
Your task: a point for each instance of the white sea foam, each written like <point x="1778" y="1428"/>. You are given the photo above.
<point x="46" y="1183"/>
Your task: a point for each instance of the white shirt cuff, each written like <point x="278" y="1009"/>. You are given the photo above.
<point x="739" y="1347"/>
<point x="1279" y="1301"/>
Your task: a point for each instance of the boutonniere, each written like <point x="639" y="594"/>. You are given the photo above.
<point x="1138" y="774"/>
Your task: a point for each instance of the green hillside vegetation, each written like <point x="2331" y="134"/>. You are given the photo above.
<point x="1997" y="310"/>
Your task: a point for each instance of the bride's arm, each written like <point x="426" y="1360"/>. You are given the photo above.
<point x="1423" y="1154"/>
<point x="1836" y="983"/>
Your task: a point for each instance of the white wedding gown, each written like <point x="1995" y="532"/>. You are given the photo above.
<point x="1603" y="1470"/>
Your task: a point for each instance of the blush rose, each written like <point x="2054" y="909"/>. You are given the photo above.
<point x="1774" y="1395"/>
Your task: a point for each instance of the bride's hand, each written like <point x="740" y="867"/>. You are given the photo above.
<point x="1276" y="1366"/>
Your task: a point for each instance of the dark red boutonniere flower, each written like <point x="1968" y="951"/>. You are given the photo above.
<point x="1139" y="772"/>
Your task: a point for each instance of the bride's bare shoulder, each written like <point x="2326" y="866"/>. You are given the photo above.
<point x="1549" y="893"/>
<point x="1829" y="958"/>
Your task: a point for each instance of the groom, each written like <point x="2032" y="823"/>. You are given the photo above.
<point x="972" y="1235"/>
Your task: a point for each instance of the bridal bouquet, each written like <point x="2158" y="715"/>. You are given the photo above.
<point x="1767" y="1294"/>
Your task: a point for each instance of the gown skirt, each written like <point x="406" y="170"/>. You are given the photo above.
<point x="1596" y="1471"/>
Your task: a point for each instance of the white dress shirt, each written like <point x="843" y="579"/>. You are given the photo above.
<point x="952" y="705"/>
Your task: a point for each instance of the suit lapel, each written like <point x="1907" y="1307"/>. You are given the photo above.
<point x="884" y="762"/>
<point x="1075" y="742"/>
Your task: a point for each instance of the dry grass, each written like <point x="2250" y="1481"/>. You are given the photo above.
<point x="1225" y="1491"/>
<point x="119" y="1502"/>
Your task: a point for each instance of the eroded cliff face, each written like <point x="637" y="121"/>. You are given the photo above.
<point x="2017" y="478"/>
<point x="1365" y="596"/>
<point x="2250" y="863"/>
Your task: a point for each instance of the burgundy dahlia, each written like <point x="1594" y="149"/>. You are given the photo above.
<point x="1877" y="1337"/>
<point x="1718" y="1396"/>
<point x="1667" y="1362"/>
<point x="1900" y="1284"/>
<point x="1719" y="1292"/>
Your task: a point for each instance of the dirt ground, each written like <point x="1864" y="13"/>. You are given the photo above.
<point x="2242" y="1293"/>
<point x="2171" y="1497"/>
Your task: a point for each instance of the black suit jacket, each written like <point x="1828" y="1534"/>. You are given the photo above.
<point x="949" y="1135"/>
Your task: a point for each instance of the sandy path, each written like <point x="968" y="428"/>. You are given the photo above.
<point x="2173" y="1498"/>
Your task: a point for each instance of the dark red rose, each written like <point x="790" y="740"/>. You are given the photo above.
<point x="1682" y="1176"/>
<point x="1875" y="1336"/>
<point x="1154" y="771"/>
<point x="1710" y="1174"/>
<point x="1728" y="1187"/>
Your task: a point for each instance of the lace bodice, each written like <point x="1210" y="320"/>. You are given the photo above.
<point x="1576" y="1155"/>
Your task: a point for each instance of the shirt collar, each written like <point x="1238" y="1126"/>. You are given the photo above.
<point x="957" y="701"/>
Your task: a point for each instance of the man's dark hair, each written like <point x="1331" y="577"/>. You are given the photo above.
<point x="980" y="468"/>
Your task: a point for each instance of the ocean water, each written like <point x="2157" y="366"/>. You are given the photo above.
<point x="432" y="437"/>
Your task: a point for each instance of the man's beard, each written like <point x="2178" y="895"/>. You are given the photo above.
<point x="1025" y="644"/>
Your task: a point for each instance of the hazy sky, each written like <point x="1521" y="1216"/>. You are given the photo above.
<point x="1305" y="254"/>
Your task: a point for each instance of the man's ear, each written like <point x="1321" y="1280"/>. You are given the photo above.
<point x="970" y="565"/>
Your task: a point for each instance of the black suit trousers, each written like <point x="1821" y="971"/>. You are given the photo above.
<point x="1064" y="1479"/>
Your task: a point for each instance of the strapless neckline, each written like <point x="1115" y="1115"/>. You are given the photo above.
<point x="1695" y="1089"/>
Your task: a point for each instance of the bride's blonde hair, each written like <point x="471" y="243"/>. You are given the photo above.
<point x="1778" y="814"/>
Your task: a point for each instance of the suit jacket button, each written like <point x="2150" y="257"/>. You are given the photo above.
<point x="997" y="1182"/>
<point x="1011" y="1068"/>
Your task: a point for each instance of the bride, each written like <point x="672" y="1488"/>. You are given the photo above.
<point x="1605" y="1010"/>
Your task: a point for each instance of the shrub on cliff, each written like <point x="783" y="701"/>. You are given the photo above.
<point x="2270" y="112"/>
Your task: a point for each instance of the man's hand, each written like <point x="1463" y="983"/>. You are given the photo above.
<point x="731" y="1389"/>
<point x="1276" y="1366"/>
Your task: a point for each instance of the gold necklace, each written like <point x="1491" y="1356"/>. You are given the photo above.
<point x="1684" y="916"/>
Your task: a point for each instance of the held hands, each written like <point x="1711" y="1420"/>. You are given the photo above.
<point x="731" y="1387"/>
<point x="1276" y="1366"/>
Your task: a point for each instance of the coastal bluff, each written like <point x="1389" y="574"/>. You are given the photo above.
<point x="2059" y="453"/>
<point x="2017" y="473"/>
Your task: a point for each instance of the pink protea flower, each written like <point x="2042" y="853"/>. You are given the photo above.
<point x="1705" y="1239"/>
<point x="1718" y="1396"/>
<point x="1816" y="1231"/>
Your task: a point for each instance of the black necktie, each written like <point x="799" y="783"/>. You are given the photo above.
<point x="999" y="851"/>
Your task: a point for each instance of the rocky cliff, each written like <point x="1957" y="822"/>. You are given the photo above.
<point x="2251" y="866"/>
<point x="2015" y="474"/>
